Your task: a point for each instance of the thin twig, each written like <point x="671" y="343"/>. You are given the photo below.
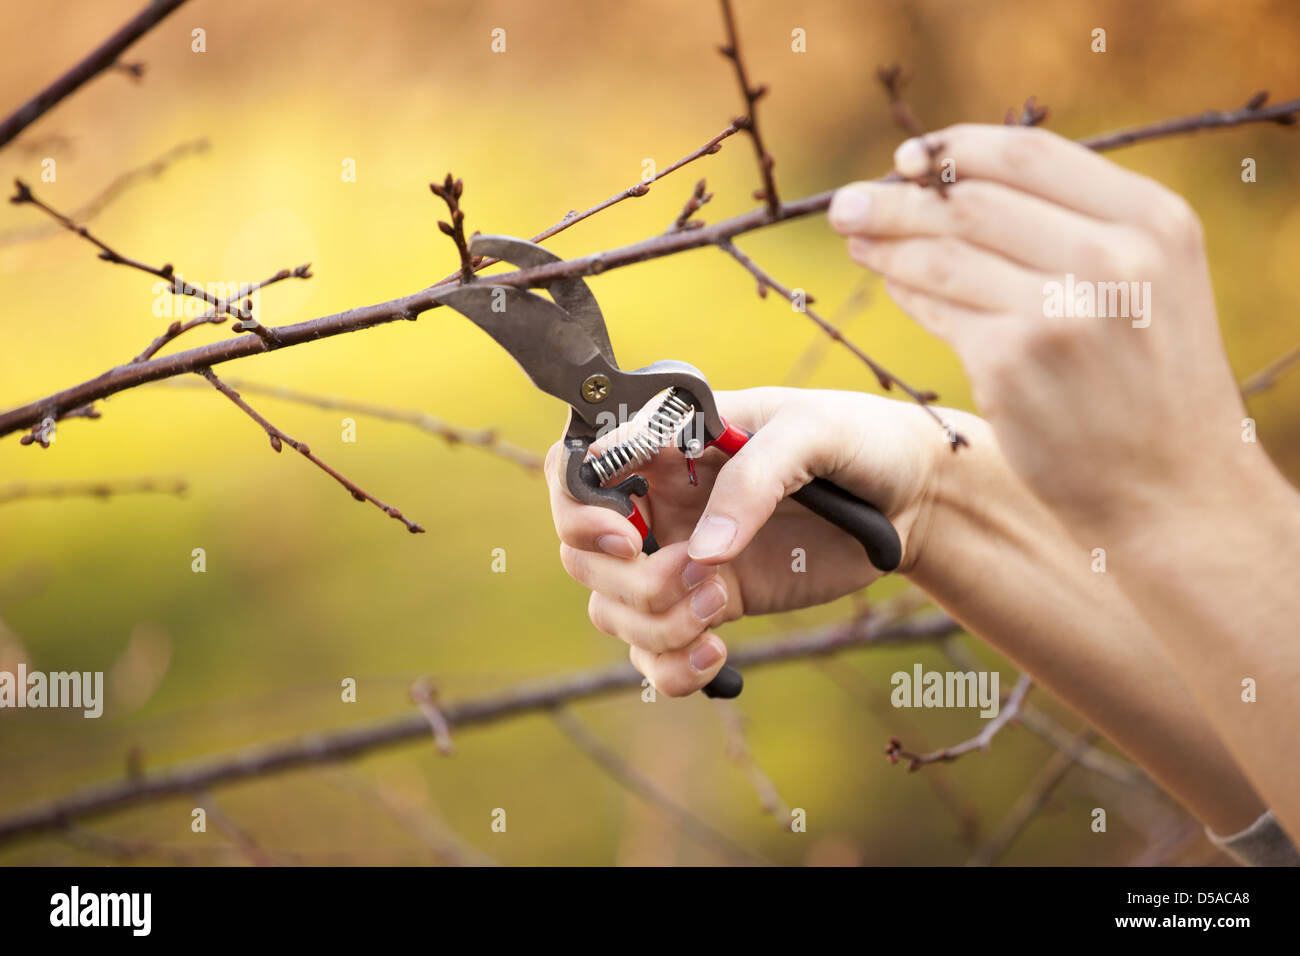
<point x="697" y="199"/>
<point x="981" y="741"/>
<point x="638" y="783"/>
<point x="235" y="833"/>
<point x="484" y="438"/>
<point x="894" y="81"/>
<point x="886" y="378"/>
<point x="104" y="489"/>
<point x="1267" y="377"/>
<point x="851" y="680"/>
<point x="278" y="438"/>
<point x="98" y="60"/>
<point x="428" y="827"/>
<point x="217" y="314"/>
<point x="450" y="191"/>
<point x="120" y="184"/>
<point x="263" y="760"/>
<point x="1051" y="730"/>
<point x="1254" y="111"/>
<point x="640" y="188"/>
<point x="742" y="755"/>
<point x="43" y="433"/>
<point x="1031" y="802"/>
<point x="23" y="195"/>
<point x="749" y="122"/>
<point x="424" y="693"/>
<point x="807" y="363"/>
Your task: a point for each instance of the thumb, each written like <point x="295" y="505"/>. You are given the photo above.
<point x="772" y="464"/>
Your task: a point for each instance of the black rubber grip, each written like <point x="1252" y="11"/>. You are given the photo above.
<point x="847" y="511"/>
<point x="727" y="683"/>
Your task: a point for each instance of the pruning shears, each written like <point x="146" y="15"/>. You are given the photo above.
<point x="563" y="346"/>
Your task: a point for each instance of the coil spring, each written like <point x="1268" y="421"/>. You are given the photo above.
<point x="662" y="428"/>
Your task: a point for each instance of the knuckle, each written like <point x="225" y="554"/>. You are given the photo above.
<point x="750" y="482"/>
<point x="968" y="208"/>
<point x="571" y="559"/>
<point x="1141" y="260"/>
<point x="672" y="683"/>
<point x="598" y="612"/>
<point x="1043" y="341"/>
<point x="644" y="594"/>
<point x="1180" y="222"/>
<point x="663" y="589"/>
<point x="669" y="634"/>
<point x="940" y="260"/>
<point x="1025" y="148"/>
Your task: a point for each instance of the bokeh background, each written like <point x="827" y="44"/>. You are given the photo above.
<point x="304" y="587"/>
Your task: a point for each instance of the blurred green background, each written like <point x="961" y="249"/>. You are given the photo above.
<point x="304" y="588"/>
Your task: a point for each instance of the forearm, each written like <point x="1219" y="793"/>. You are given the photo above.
<point x="1212" y="569"/>
<point x="998" y="560"/>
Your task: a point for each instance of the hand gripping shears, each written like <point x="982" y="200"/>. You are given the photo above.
<point x="564" y="348"/>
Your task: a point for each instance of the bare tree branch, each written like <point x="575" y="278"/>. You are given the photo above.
<point x="101" y="58"/>
<point x="638" y="783"/>
<point x="279" y="438"/>
<point x="120" y="184"/>
<point x="1010" y="708"/>
<point x="484" y="438"/>
<point x="1253" y="112"/>
<point x="894" y="81"/>
<point x="217" y="314"/>
<point x="265" y="760"/>
<point x="1267" y="377"/>
<point x="1031" y="802"/>
<point x="804" y="304"/>
<point x="749" y="122"/>
<point x="407" y="307"/>
<point x="105" y="488"/>
<point x="742" y="755"/>
<point x="637" y="189"/>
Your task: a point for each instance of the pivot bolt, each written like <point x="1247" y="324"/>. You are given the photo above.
<point x="595" y="389"/>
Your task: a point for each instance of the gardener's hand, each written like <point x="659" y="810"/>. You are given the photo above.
<point x="1102" y="416"/>
<point x="749" y="550"/>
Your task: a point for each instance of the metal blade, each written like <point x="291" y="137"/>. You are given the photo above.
<point x="555" y="352"/>
<point x="572" y="294"/>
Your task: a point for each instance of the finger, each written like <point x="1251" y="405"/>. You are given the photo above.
<point x="652" y="585"/>
<point x="951" y="269"/>
<point x="684" y="671"/>
<point x="587" y="527"/>
<point x="953" y="322"/>
<point x="1042" y="163"/>
<point x="775" y="462"/>
<point x="659" y="633"/>
<point x="1026" y="229"/>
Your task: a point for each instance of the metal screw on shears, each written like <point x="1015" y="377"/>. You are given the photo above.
<point x="694" y="449"/>
<point x="595" y="388"/>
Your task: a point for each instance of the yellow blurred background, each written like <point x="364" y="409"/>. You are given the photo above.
<point x="304" y="587"/>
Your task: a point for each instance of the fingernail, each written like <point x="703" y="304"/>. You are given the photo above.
<point x="912" y="158"/>
<point x="850" y="209"/>
<point x="694" y="574"/>
<point x="616" y="545"/>
<point x="707" y="654"/>
<point x="708" y="601"/>
<point x="713" y="535"/>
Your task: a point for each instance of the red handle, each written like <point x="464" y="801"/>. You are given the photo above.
<point x="731" y="440"/>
